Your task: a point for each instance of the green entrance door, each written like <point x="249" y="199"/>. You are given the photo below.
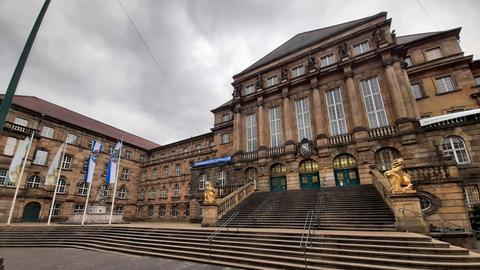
<point x="278" y="183"/>
<point x="31" y="212"/>
<point x="309" y="181"/>
<point x="346" y="177"/>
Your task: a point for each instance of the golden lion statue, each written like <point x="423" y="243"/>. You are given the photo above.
<point x="400" y="182"/>
<point x="209" y="194"/>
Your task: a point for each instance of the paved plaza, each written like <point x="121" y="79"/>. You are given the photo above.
<point x="78" y="259"/>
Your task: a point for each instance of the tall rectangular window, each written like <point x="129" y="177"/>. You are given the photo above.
<point x="445" y="84"/>
<point x="336" y="115"/>
<point x="47" y="132"/>
<point x="298" y="71"/>
<point x="372" y="96"/>
<point x="178" y="169"/>
<point x="327" y="60"/>
<point x="40" y="157"/>
<point x="249" y="89"/>
<point x="251" y="132"/>
<point x="225" y="138"/>
<point x="275" y="126"/>
<point x="361" y="47"/>
<point x="433" y="54"/>
<point x="165" y="171"/>
<point x="417" y="90"/>
<point x="303" y="119"/>
<point x="9" y="149"/>
<point x="271" y="81"/>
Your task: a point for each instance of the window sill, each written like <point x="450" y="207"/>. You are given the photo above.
<point x="449" y="92"/>
<point x="423" y="97"/>
<point x="41" y="165"/>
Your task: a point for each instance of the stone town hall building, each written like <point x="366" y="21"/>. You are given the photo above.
<point x="322" y="109"/>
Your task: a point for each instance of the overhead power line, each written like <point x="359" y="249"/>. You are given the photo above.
<point x="426" y="13"/>
<point x="157" y="64"/>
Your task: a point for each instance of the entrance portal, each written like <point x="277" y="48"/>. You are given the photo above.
<point x="309" y="177"/>
<point x="31" y="212"/>
<point x="346" y="171"/>
<point x="278" y="179"/>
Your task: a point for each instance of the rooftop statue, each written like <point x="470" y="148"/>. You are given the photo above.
<point x="400" y="182"/>
<point x="209" y="193"/>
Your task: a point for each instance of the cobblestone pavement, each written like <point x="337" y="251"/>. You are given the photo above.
<point x="77" y="259"/>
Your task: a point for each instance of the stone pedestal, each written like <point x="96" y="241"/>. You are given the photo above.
<point x="210" y="215"/>
<point x="408" y="213"/>
<point x="96" y="214"/>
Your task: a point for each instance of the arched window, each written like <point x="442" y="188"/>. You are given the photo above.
<point x="221" y="178"/>
<point x="278" y="170"/>
<point x="385" y="156"/>
<point x="201" y="182"/>
<point x="308" y="166"/>
<point x="152" y="193"/>
<point x="161" y="210"/>
<point x="33" y="181"/>
<point x="164" y="192"/>
<point x="62" y="182"/>
<point x="83" y="188"/>
<point x="251" y="176"/>
<point x="122" y="192"/>
<point x="344" y="161"/>
<point x="455" y="146"/>
<point x="176" y="191"/>
<point x="141" y="194"/>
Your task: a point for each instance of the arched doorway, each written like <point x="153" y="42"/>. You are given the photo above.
<point x="31" y="212"/>
<point x="345" y="169"/>
<point x="278" y="180"/>
<point x="309" y="177"/>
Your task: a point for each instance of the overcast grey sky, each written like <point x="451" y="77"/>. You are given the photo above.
<point x="88" y="58"/>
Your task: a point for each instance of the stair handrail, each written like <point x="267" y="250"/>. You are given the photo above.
<point x="434" y="219"/>
<point x="217" y="231"/>
<point x="318" y="205"/>
<point x="306" y="239"/>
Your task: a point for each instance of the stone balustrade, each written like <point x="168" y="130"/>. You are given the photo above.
<point x="382" y="131"/>
<point x="234" y="198"/>
<point x="19" y="128"/>
<point x="341" y="139"/>
<point x="432" y="172"/>
<point x="275" y="151"/>
<point x="249" y="155"/>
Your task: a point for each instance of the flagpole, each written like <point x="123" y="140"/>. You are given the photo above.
<point x="86" y="202"/>
<point x="19" y="180"/>
<point x="116" y="180"/>
<point x="56" y="183"/>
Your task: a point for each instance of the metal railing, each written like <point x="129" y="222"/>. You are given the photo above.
<point x="308" y="228"/>
<point x="214" y="234"/>
<point x="402" y="210"/>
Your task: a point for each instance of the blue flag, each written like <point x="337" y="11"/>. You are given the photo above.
<point x="113" y="164"/>
<point x="92" y="160"/>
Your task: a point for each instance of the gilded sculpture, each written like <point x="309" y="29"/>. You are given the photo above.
<point x="209" y="194"/>
<point x="400" y="182"/>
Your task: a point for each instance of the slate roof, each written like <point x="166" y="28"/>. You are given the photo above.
<point x="38" y="105"/>
<point x="308" y="38"/>
<point x="402" y="40"/>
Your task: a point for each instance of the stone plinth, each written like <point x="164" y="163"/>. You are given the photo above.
<point x="97" y="209"/>
<point x="96" y="214"/>
<point x="210" y="214"/>
<point x="408" y="213"/>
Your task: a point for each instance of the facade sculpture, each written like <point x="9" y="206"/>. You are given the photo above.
<point x="400" y="182"/>
<point x="209" y="194"/>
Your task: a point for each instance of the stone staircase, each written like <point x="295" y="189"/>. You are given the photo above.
<point x="255" y="248"/>
<point x="340" y="208"/>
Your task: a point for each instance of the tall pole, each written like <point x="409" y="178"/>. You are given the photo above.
<point x="19" y="181"/>
<point x="56" y="183"/>
<point x="115" y="186"/>
<point x="12" y="86"/>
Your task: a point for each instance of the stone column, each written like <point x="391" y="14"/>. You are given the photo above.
<point x="320" y="112"/>
<point x="286" y="116"/>
<point x="237" y="129"/>
<point x="405" y="85"/>
<point x="261" y="124"/>
<point x="397" y="99"/>
<point x="354" y="98"/>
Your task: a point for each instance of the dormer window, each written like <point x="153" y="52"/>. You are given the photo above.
<point x="298" y="71"/>
<point x="271" y="81"/>
<point x="361" y="47"/>
<point x="249" y="89"/>
<point x="433" y="54"/>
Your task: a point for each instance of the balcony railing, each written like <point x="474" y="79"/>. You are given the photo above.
<point x="382" y="131"/>
<point x="249" y="156"/>
<point x="341" y="139"/>
<point x="19" y="128"/>
<point x="275" y="151"/>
